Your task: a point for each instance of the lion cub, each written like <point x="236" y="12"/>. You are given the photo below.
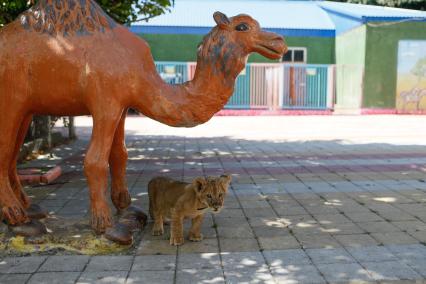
<point x="175" y="200"/>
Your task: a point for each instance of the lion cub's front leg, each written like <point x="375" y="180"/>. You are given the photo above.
<point x="194" y="233"/>
<point x="176" y="230"/>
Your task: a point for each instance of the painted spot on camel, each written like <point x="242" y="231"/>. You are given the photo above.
<point x="66" y="18"/>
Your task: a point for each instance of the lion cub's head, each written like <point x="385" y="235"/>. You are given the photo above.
<point x="212" y="190"/>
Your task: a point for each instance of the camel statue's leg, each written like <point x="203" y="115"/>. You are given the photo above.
<point x="34" y="211"/>
<point x="12" y="209"/>
<point x="13" y="172"/>
<point x="117" y="163"/>
<point x="96" y="166"/>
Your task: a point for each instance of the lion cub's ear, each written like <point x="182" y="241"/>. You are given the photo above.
<point x="225" y="180"/>
<point x="199" y="183"/>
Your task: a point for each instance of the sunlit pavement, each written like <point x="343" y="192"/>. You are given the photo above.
<point x="313" y="200"/>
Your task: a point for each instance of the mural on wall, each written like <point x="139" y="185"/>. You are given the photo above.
<point x="411" y="83"/>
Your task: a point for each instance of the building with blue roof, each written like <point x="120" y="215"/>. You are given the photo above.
<point x="362" y="40"/>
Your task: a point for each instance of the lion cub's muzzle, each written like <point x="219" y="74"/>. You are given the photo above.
<point x="216" y="207"/>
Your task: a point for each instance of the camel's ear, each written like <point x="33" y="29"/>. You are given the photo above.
<point x="221" y="19"/>
<point x="225" y="180"/>
<point x="199" y="183"/>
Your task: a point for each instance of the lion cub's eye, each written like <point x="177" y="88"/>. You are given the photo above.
<point x="242" y="27"/>
<point x="209" y="195"/>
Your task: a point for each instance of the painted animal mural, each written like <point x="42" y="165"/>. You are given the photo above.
<point x="70" y="58"/>
<point x="413" y="96"/>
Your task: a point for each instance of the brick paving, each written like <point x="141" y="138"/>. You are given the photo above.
<point x="313" y="200"/>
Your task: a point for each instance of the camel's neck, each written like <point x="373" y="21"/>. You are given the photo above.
<point x="196" y="101"/>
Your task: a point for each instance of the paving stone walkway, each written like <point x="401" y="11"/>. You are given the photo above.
<point x="304" y="207"/>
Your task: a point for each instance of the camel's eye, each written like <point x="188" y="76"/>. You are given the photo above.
<point x="242" y="27"/>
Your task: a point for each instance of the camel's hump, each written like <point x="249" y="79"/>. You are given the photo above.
<point x="66" y="18"/>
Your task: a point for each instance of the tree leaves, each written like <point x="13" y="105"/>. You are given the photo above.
<point x="407" y="4"/>
<point x="122" y="11"/>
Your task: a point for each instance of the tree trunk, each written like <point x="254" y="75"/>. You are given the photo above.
<point x="71" y="128"/>
<point x="42" y="129"/>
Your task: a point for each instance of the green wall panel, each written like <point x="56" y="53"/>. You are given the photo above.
<point x="350" y="60"/>
<point x="170" y="47"/>
<point x="381" y="60"/>
<point x="320" y="49"/>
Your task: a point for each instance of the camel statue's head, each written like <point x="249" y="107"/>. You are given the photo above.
<point x="239" y="36"/>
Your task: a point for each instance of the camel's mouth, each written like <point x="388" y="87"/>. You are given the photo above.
<point x="273" y="49"/>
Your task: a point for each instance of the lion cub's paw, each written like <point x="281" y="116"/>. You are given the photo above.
<point x="157" y="232"/>
<point x="196" y="237"/>
<point x="176" y="241"/>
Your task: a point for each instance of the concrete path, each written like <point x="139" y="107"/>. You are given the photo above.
<point x="333" y="199"/>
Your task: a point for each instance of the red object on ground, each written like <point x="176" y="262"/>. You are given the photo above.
<point x="254" y="112"/>
<point x="265" y="112"/>
<point x="373" y="111"/>
<point x="36" y="176"/>
<point x="378" y="111"/>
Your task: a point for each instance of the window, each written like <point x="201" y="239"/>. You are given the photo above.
<point x="295" y="55"/>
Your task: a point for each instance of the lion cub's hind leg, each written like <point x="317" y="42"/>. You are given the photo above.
<point x="157" y="229"/>
<point x="176" y="230"/>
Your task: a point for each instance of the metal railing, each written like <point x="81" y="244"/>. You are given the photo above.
<point x="269" y="85"/>
<point x="308" y="86"/>
<point x="173" y="72"/>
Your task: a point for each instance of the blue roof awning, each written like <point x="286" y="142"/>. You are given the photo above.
<point x="289" y="18"/>
<point x="347" y="16"/>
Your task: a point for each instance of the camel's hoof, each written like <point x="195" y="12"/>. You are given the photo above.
<point x="136" y="212"/>
<point x="33" y="228"/>
<point x="119" y="234"/>
<point x="101" y="218"/>
<point x="36" y="212"/>
<point x="131" y="222"/>
<point x="15" y="215"/>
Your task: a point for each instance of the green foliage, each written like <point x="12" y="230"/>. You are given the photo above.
<point x="9" y="10"/>
<point x="407" y="4"/>
<point x="122" y="11"/>
<point x="130" y="11"/>
<point x="419" y="69"/>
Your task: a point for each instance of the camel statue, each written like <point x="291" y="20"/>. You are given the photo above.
<point x="70" y="58"/>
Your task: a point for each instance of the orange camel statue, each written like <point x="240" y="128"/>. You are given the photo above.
<point x="70" y="58"/>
